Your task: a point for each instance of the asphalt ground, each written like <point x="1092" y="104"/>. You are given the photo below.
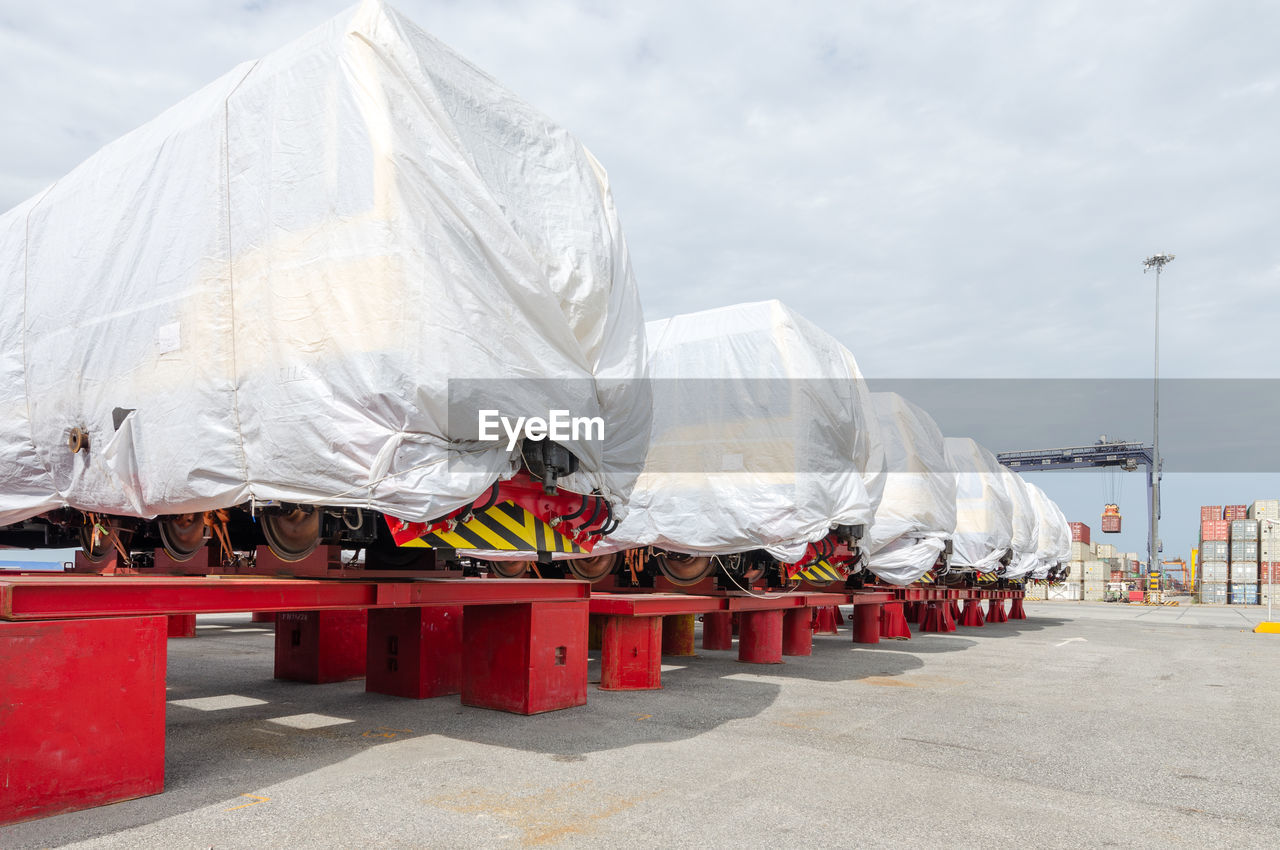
<point x="1086" y="725"/>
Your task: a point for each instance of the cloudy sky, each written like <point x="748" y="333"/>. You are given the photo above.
<point x="953" y="190"/>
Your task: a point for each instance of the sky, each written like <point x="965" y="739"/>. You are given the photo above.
<point x="952" y="190"/>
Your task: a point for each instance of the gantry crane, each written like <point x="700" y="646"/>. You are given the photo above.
<point x="1122" y="453"/>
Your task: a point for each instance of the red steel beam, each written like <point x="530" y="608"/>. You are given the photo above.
<point x="36" y="598"/>
<point x="652" y="604"/>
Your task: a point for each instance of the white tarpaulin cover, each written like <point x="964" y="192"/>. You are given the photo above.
<point x="280" y="275"/>
<point x="984" y="508"/>
<point x="1054" y="534"/>
<point x="917" y="513"/>
<point x="760" y="436"/>
<point x="1026" y="525"/>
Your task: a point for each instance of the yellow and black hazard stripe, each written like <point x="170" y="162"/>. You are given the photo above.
<point x="820" y="570"/>
<point x="927" y="578"/>
<point x="503" y="527"/>
<point x="987" y="576"/>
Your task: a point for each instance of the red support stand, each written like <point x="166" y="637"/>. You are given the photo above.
<point x="760" y="637"/>
<point x="525" y="658"/>
<point x="678" y="635"/>
<point x="182" y="625"/>
<point x="825" y="620"/>
<point x="893" y="624"/>
<point x="263" y="617"/>
<point x="937" y="617"/>
<point x="717" y="630"/>
<point x="973" y="613"/>
<point x="954" y="608"/>
<point x="632" y="656"/>
<point x="415" y="652"/>
<point x="921" y="612"/>
<point x="866" y="623"/>
<point x="82" y="706"/>
<point x="839" y="616"/>
<point x="734" y="623"/>
<point x="320" y="646"/>
<point x="797" y="632"/>
<point x="1015" y="609"/>
<point x="995" y="611"/>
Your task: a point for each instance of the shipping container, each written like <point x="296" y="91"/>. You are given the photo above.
<point x="1230" y="512"/>
<point x="1265" y="509"/>
<point x="1213" y="593"/>
<point x="1246" y="573"/>
<point x="1108" y="550"/>
<point x="1213" y="550"/>
<point x="1214" y="529"/>
<point x="1269" y="572"/>
<point x="1079" y="532"/>
<point x="1243" y="594"/>
<point x="1244" y="529"/>
<point x="1212" y="571"/>
<point x="1081" y="551"/>
<point x="1110" y="523"/>
<point x="1117" y="575"/>
<point x="1209" y="513"/>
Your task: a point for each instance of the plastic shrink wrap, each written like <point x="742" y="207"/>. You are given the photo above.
<point x="1054" y="535"/>
<point x="272" y="284"/>
<point x="1026" y="526"/>
<point x="917" y="513"/>
<point x="984" y="508"/>
<point x="761" y="436"/>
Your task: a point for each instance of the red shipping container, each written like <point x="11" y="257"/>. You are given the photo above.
<point x="1079" y="532"/>
<point x="1230" y="512"/>
<point x="1111" y="523"/>
<point x="1269" y="572"/>
<point x="1215" y="529"/>
<point x="1117" y="575"/>
<point x="1208" y="513"/>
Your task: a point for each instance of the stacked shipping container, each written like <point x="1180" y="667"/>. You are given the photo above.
<point x="1212" y="571"/>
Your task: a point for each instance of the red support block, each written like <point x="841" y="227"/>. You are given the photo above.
<point x="1015" y="609"/>
<point x="760" y="636"/>
<point x="937" y="617"/>
<point x="678" y="638"/>
<point x="839" y="616"/>
<point x="82" y="707"/>
<point x="995" y="611"/>
<point x="797" y="632"/>
<point x="921" y="612"/>
<point x="263" y="617"/>
<point x="953" y="608"/>
<point x="525" y="658"/>
<point x="893" y="624"/>
<point x="717" y="630"/>
<point x="973" y="613"/>
<point x="866" y="623"/>
<point x="631" y="659"/>
<point x="182" y="625"/>
<point x="320" y="646"/>
<point x="825" y="620"/>
<point x="415" y="652"/>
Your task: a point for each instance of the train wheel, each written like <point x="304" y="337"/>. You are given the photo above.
<point x="509" y="569"/>
<point x="684" y="570"/>
<point x="94" y="554"/>
<point x="181" y="535"/>
<point x="291" y="534"/>
<point x="592" y="569"/>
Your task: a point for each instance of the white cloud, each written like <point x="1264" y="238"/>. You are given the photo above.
<point x="952" y="189"/>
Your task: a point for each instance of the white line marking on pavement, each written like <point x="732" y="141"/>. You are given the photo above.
<point x="1070" y="640"/>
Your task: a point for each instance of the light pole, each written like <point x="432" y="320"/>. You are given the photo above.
<point x="1157" y="262"/>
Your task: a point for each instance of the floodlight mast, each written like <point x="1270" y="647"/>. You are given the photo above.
<point x="1157" y="262"/>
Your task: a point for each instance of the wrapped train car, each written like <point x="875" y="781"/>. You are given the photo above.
<point x="273" y="315"/>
